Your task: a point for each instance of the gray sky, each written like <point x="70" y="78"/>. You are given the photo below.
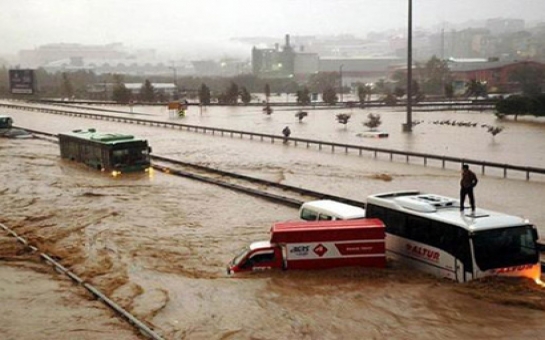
<point x="167" y="24"/>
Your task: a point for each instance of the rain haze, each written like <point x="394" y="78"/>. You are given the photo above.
<point x="169" y="25"/>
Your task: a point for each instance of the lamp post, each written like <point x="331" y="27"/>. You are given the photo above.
<point x="408" y="126"/>
<point x="175" y="77"/>
<point x="341" y="85"/>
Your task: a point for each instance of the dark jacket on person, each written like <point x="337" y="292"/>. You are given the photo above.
<point x="469" y="179"/>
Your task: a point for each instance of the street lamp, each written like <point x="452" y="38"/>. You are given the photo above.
<point x="341" y="76"/>
<point x="175" y="81"/>
<point x="408" y="126"/>
<point x="174" y="75"/>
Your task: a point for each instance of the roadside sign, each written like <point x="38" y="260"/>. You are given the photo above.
<point x="21" y="81"/>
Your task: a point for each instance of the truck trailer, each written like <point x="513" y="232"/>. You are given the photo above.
<point x="316" y="245"/>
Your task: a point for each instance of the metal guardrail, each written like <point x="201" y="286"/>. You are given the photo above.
<point x="308" y="142"/>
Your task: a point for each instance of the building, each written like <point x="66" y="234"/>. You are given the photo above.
<point x="285" y="62"/>
<point x="495" y="73"/>
<point x="502" y="26"/>
<point x="355" y="71"/>
<point x="46" y="54"/>
<point x="274" y="62"/>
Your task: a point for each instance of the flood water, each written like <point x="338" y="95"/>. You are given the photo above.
<point x="159" y="245"/>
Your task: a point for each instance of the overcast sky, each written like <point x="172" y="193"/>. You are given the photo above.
<point x="26" y="24"/>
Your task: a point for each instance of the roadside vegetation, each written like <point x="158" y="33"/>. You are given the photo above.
<point x="432" y="80"/>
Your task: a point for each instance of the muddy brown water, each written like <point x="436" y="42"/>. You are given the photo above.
<point x="158" y="245"/>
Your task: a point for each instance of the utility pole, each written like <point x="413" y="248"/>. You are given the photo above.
<point x="341" y="76"/>
<point x="175" y="77"/>
<point x="408" y="126"/>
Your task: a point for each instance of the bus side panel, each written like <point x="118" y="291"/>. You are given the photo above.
<point x="422" y="257"/>
<point x="531" y="271"/>
<point x="107" y="159"/>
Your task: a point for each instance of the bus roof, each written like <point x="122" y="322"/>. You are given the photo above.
<point x="105" y="138"/>
<point x="336" y="209"/>
<point x="444" y="209"/>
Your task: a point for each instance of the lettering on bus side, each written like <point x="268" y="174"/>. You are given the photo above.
<point x="512" y="269"/>
<point x="423" y="252"/>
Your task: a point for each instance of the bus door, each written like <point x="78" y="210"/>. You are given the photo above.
<point x="460" y="271"/>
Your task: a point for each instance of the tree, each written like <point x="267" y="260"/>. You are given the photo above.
<point x="300" y="115"/>
<point x="343" y="118"/>
<point x="364" y="93"/>
<point x="330" y="96"/>
<point x="373" y="121"/>
<point x="67" y="87"/>
<point x="399" y="91"/>
<point x="381" y="87"/>
<point x="231" y="95"/>
<point x="204" y="95"/>
<point x="303" y="96"/>
<point x="449" y="91"/>
<point x="147" y="92"/>
<point x="267" y="92"/>
<point x="321" y="81"/>
<point x="521" y="105"/>
<point x="513" y="105"/>
<point x="529" y="77"/>
<point x="120" y="93"/>
<point x="434" y="75"/>
<point x="475" y="88"/>
<point x="245" y="96"/>
<point x="494" y="130"/>
<point x="390" y="99"/>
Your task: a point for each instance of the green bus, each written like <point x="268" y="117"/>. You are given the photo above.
<point x="108" y="152"/>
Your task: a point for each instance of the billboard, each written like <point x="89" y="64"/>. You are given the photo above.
<point x="21" y="81"/>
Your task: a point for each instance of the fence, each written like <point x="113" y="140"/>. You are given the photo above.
<point x="504" y="168"/>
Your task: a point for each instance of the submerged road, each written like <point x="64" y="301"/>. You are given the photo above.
<point x="158" y="246"/>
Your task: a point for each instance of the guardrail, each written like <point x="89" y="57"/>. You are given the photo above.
<point x="407" y="155"/>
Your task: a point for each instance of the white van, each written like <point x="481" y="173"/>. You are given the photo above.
<point x="326" y="210"/>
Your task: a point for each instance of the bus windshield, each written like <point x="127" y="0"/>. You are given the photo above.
<point x="131" y="156"/>
<point x="505" y="247"/>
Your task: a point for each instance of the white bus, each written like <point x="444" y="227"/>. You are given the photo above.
<point x="430" y="233"/>
<point x="327" y="210"/>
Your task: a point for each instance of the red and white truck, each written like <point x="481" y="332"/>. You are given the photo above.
<point x="316" y="245"/>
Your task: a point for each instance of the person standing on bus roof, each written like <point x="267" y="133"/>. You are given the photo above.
<point x="467" y="183"/>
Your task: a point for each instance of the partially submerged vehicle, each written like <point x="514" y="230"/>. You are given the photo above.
<point x="8" y="131"/>
<point x="434" y="234"/>
<point x="316" y="245"/>
<point x="110" y="152"/>
<point x="326" y="210"/>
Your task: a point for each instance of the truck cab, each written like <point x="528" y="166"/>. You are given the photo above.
<point x="259" y="255"/>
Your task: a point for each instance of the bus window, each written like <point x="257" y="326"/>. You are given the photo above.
<point x="418" y="229"/>
<point x="393" y="220"/>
